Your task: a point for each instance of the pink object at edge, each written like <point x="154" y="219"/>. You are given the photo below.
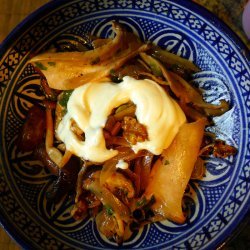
<point x="246" y="19"/>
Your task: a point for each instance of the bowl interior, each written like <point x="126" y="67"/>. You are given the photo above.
<point x="216" y="203"/>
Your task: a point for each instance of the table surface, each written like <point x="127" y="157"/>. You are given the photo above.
<point x="230" y="11"/>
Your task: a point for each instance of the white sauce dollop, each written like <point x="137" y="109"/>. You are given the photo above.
<point x="122" y="164"/>
<point x="90" y="104"/>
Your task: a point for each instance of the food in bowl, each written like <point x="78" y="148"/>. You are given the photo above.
<point x="123" y="129"/>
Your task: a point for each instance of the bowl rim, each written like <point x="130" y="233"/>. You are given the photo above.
<point x="46" y="8"/>
<point x="201" y="10"/>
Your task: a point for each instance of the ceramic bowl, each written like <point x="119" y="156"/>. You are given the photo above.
<point x="217" y="203"/>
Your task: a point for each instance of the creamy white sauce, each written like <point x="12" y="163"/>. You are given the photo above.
<point x="90" y="104"/>
<point x="122" y="164"/>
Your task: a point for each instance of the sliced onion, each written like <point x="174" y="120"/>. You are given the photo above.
<point x="87" y="57"/>
<point x="188" y="94"/>
<point x="68" y="70"/>
<point x="107" y="171"/>
<point x="69" y="75"/>
<point x="106" y="197"/>
<point x="172" y="59"/>
<point x="54" y="154"/>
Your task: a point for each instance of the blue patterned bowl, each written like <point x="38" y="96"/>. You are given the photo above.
<point x="217" y="203"/>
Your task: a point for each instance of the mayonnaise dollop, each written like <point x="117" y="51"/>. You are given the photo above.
<point x="89" y="106"/>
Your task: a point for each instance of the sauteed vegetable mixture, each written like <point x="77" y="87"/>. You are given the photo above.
<point x="123" y="129"/>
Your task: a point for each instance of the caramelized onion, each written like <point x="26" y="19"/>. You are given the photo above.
<point x="68" y="70"/>
<point x="106" y="197"/>
<point x="99" y="54"/>
<point x="188" y="94"/>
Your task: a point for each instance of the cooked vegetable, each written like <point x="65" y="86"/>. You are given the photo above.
<point x="117" y="184"/>
<point x="101" y="53"/>
<point x="175" y="63"/>
<point x="188" y="94"/>
<point x="182" y="89"/>
<point x="54" y="154"/>
<point x="29" y="137"/>
<point x="133" y="131"/>
<point x="125" y="154"/>
<point x="146" y="165"/>
<point x="133" y="185"/>
<point x="218" y="148"/>
<point x="72" y="69"/>
<point x="125" y="110"/>
<point x="49" y="93"/>
<point x="171" y="173"/>
<point x="109" y="225"/>
<point x="106" y="197"/>
<point x="199" y="169"/>
<point x="153" y="64"/>
<point x="41" y="155"/>
<point x="66" y="181"/>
